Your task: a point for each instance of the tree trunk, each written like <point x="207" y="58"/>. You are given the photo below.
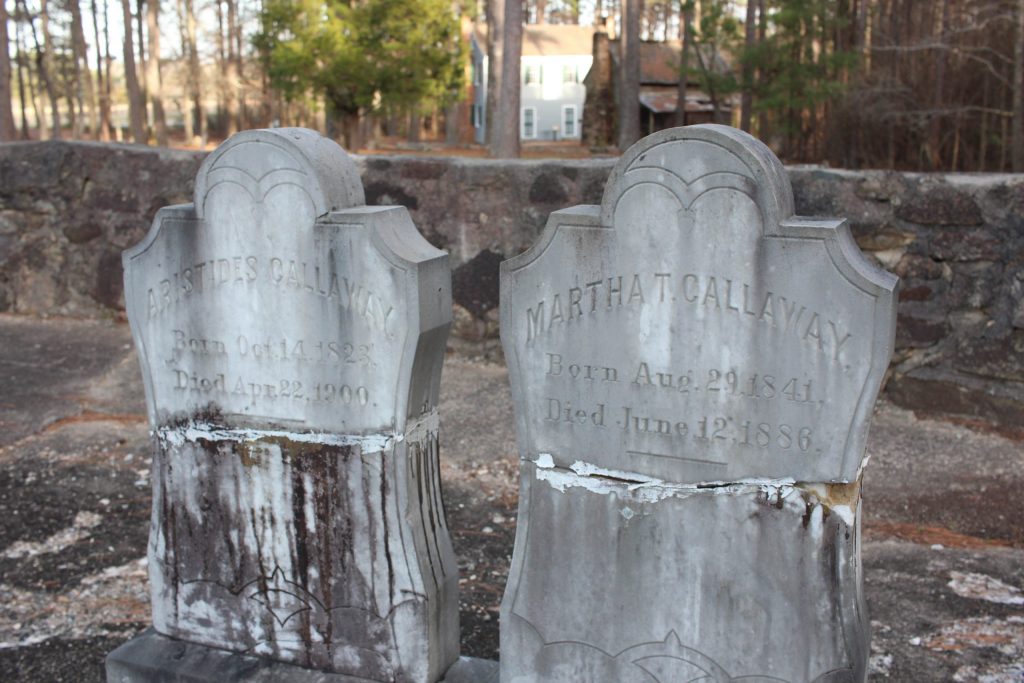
<point x="188" y="122"/>
<point x="222" y="67"/>
<point x="1017" y="137"/>
<point x="505" y="129"/>
<point x="136" y="105"/>
<point x="195" y="73"/>
<point x="415" y="126"/>
<point x="747" y="100"/>
<point x="141" y="42"/>
<point x="108" y="60"/>
<point x="352" y="130"/>
<point x="629" y="76"/>
<point x="83" y="75"/>
<point x="154" y="75"/>
<point x="8" y="131"/>
<point x="46" y="65"/>
<point x="495" y="52"/>
<point x="935" y="125"/>
<point x="20" y="59"/>
<point x="33" y="84"/>
<point x="236" y="103"/>
<point x="685" y="21"/>
<point x="104" y="100"/>
<point x="70" y="80"/>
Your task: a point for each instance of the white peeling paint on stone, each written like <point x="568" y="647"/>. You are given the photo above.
<point x="418" y="430"/>
<point x="201" y="431"/>
<point x="644" y="489"/>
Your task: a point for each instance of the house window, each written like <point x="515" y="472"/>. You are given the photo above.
<point x="569" y="121"/>
<point x="476" y="72"/>
<point x="570" y="74"/>
<point x="529" y="123"/>
<point x="533" y="73"/>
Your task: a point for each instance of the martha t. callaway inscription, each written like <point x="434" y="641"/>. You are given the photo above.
<point x="741" y="341"/>
<point x="681" y="357"/>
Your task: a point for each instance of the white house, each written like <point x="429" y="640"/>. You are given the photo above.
<point x="555" y="60"/>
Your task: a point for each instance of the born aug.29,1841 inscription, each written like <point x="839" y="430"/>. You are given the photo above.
<point x="693" y="371"/>
<point x="291" y="342"/>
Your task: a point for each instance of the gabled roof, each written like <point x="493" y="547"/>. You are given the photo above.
<point x="659" y="62"/>
<point x="548" y="40"/>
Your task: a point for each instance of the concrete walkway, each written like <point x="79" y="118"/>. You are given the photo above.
<point x="943" y="540"/>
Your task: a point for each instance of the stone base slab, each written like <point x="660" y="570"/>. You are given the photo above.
<point x="155" y="658"/>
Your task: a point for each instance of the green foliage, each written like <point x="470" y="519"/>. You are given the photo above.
<point x="801" y="67"/>
<point x="714" y="34"/>
<point x="362" y="55"/>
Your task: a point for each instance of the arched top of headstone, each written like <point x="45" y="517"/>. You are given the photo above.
<point x="259" y="161"/>
<point x="278" y="300"/>
<point x="692" y="328"/>
<point x="693" y="160"/>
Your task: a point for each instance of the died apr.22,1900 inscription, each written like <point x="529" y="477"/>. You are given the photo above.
<point x="291" y="341"/>
<point x="694" y="330"/>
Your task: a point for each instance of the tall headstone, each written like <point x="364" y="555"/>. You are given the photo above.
<point x="291" y="342"/>
<point x="693" y="371"/>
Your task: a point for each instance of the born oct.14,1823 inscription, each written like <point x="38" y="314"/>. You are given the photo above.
<point x="278" y="369"/>
<point x="265" y="363"/>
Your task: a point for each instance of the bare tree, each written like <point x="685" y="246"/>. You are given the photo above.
<point x="46" y="66"/>
<point x="1017" y="137"/>
<point x="20" y="58"/>
<point x="154" y="76"/>
<point x="503" y="96"/>
<point x="629" y="76"/>
<point x="8" y="131"/>
<point x="236" y="109"/>
<point x="195" y="74"/>
<point x="186" y="114"/>
<point x="143" y="73"/>
<point x="685" y="31"/>
<point x="136" y="104"/>
<point x="83" y="75"/>
<point x="747" y="98"/>
<point x="104" y="99"/>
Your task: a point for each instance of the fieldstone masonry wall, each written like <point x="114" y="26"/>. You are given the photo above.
<point x="67" y="210"/>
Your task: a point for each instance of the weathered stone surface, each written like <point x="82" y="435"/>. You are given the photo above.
<point x="291" y="342"/>
<point x="930" y="205"/>
<point x="680" y="356"/>
<point x="469" y="206"/>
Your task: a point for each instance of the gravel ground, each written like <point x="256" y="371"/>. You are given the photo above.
<point x="943" y="543"/>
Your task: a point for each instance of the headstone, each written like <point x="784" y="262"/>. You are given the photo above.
<point x="693" y="371"/>
<point x="291" y="342"/>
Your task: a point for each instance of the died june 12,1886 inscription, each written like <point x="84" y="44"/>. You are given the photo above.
<point x="693" y="370"/>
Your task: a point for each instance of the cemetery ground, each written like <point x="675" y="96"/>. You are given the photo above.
<point x="943" y="546"/>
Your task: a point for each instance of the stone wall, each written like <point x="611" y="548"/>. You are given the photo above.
<point x="67" y="210"/>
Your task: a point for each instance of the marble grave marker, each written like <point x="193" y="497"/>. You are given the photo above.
<point x="291" y="342"/>
<point x="693" y="371"/>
